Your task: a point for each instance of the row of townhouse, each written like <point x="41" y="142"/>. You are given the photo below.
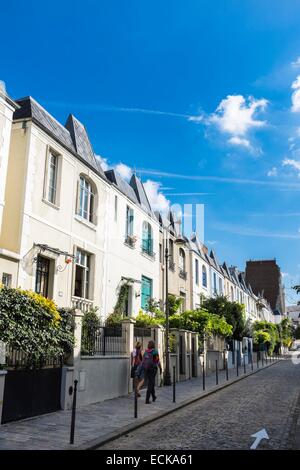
<point x="77" y="234"/>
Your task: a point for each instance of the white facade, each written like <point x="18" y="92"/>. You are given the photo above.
<point x="124" y="262"/>
<point x="200" y="284"/>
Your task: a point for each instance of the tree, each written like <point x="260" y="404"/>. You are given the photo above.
<point x="266" y="334"/>
<point x="233" y="312"/>
<point x="174" y="303"/>
<point x="202" y="322"/>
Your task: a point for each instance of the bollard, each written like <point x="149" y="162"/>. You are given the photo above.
<point x="73" y="413"/>
<point x="203" y="375"/>
<point x="262" y="359"/>
<point x="174" y="384"/>
<point x="257" y="360"/>
<point x="245" y="365"/>
<point x="226" y="369"/>
<point x="217" y="373"/>
<point x="237" y="366"/>
<point x="251" y="362"/>
<point x="135" y="400"/>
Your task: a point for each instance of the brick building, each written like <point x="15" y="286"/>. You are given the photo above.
<point x="266" y="280"/>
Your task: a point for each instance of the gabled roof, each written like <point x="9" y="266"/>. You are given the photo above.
<point x="82" y="142"/>
<point x="234" y="275"/>
<point x="165" y="222"/>
<point x="29" y="108"/>
<point x="122" y="185"/>
<point x="140" y="193"/>
<point x="214" y="261"/>
<point x="73" y="136"/>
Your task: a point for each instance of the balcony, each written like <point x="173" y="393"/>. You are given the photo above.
<point x="81" y="304"/>
<point x="130" y="241"/>
<point x="182" y="274"/>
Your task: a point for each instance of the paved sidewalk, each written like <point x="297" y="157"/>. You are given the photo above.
<point x="99" y="421"/>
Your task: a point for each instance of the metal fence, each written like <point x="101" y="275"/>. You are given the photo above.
<point x="18" y="359"/>
<point x="104" y="341"/>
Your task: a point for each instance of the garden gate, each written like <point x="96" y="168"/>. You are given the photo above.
<point x="30" y="392"/>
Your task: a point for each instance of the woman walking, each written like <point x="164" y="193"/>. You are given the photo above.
<point x="150" y="364"/>
<point x="136" y="363"/>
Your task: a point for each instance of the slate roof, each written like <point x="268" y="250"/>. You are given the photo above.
<point x="73" y="136"/>
<point x="122" y="185"/>
<point x="140" y="193"/>
<point x="82" y="142"/>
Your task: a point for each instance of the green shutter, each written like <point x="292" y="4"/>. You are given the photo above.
<point x="146" y="292"/>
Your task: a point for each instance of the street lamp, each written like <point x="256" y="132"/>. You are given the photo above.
<point x="178" y="241"/>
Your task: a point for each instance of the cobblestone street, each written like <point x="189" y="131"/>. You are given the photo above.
<point x="227" y="419"/>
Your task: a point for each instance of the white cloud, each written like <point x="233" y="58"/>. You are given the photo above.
<point x="235" y="115"/>
<point x="212" y="242"/>
<point x="296" y="95"/>
<point x="284" y="274"/>
<point x="296" y="63"/>
<point x="272" y="172"/>
<point x="157" y="200"/>
<point x="198" y="118"/>
<point x="103" y="162"/>
<point x="239" y="141"/>
<point x="124" y="171"/>
<point x="293" y="163"/>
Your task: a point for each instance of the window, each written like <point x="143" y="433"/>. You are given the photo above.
<point x="171" y="254"/>
<point x="220" y="286"/>
<point x="181" y="259"/>
<point x="42" y="275"/>
<point x="82" y="275"/>
<point x="146" y="292"/>
<point x="160" y="253"/>
<point x="147" y="242"/>
<point x="6" y="279"/>
<point x="204" y="276"/>
<point x="129" y="225"/>
<point x="183" y="302"/>
<point x="116" y="208"/>
<point x="232" y="294"/>
<point x="215" y="282"/>
<point x="52" y="177"/>
<point x="197" y="271"/>
<point x="86" y="203"/>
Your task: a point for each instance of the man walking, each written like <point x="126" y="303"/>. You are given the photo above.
<point x="150" y="365"/>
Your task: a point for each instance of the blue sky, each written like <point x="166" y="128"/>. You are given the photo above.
<point x="179" y="91"/>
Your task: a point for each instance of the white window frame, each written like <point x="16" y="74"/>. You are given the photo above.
<point x="86" y="204"/>
<point x="85" y="264"/>
<point x="57" y="178"/>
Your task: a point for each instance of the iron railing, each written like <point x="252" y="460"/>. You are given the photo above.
<point x="104" y="341"/>
<point x="142" y="332"/>
<point x="18" y="359"/>
<point x="171" y="266"/>
<point x="182" y="274"/>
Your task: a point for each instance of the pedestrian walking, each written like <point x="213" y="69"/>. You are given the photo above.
<point x="136" y="367"/>
<point x="150" y="364"/>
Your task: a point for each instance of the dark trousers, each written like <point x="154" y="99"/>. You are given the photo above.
<point x="150" y="379"/>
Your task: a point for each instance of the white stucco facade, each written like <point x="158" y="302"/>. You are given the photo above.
<point x="125" y="263"/>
